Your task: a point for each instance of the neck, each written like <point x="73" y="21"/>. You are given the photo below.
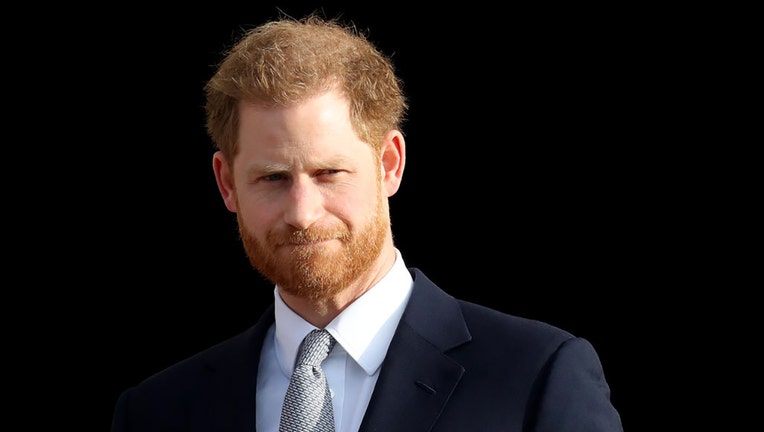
<point x="320" y="312"/>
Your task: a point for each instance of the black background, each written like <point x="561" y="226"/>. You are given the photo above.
<point x="527" y="186"/>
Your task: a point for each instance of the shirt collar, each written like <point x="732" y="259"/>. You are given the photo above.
<point x="364" y="329"/>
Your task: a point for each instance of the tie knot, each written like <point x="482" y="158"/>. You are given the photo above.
<point x="315" y="347"/>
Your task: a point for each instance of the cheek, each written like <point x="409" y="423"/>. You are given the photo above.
<point x="357" y="207"/>
<point x="258" y="217"/>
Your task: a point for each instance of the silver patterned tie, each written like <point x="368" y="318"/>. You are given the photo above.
<point x="308" y="401"/>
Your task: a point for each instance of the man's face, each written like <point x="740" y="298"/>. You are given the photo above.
<point x="311" y="210"/>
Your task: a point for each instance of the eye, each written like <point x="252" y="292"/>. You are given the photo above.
<point x="273" y="177"/>
<point x="330" y="171"/>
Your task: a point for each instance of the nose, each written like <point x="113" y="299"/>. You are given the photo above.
<point x="305" y="203"/>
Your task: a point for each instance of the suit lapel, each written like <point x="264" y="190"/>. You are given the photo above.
<point x="415" y="382"/>
<point x="417" y="376"/>
<point x="233" y="379"/>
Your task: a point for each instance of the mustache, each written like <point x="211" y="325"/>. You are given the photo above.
<point x="309" y="235"/>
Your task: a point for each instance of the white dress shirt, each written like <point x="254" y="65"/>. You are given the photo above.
<point x="363" y="332"/>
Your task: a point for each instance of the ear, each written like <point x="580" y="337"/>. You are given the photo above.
<point x="224" y="179"/>
<point x="393" y="161"/>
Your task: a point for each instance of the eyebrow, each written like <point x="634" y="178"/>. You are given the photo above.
<point x="276" y="167"/>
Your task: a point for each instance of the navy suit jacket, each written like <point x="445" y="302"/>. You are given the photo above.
<point x="451" y="366"/>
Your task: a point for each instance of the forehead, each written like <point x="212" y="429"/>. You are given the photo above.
<point x="319" y="125"/>
<point x="318" y="114"/>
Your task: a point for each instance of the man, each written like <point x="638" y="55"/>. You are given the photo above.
<point x="306" y="117"/>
